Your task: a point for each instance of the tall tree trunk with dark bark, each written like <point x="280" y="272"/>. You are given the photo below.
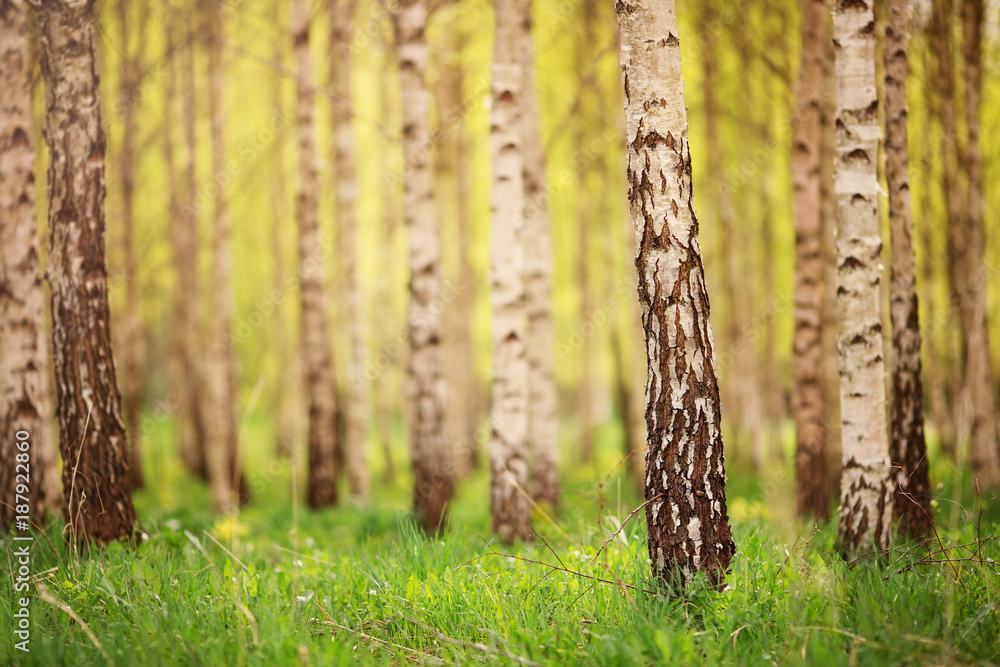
<point x="509" y="503"/>
<point x="433" y="468"/>
<point x="543" y="422"/>
<point x="131" y="401"/>
<point x="25" y="385"/>
<point x="317" y="356"/>
<point x="984" y="454"/>
<point x="912" y="497"/>
<point x="807" y="390"/>
<point x="867" y="481"/>
<point x="354" y="448"/>
<point x="92" y="440"/>
<point x="686" y="511"/>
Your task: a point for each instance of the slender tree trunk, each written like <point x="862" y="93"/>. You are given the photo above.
<point x="317" y="356"/>
<point x="807" y="390"/>
<point x="91" y="434"/>
<point x="510" y="507"/>
<point x="543" y="422"/>
<point x="867" y="482"/>
<point x="983" y="446"/>
<point x="285" y="398"/>
<point x="685" y="475"/>
<point x="222" y="456"/>
<point x="133" y="315"/>
<point x="25" y="385"/>
<point x="194" y="399"/>
<point x="355" y="449"/>
<point x="830" y="376"/>
<point x="433" y="469"/>
<point x="912" y="497"/>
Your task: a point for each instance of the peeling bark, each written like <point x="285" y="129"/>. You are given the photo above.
<point x="912" y="496"/>
<point x="433" y="468"/>
<point x="25" y="385"/>
<point x="91" y="433"/>
<point x="510" y="507"/>
<point x="685" y="473"/>
<point x="867" y="480"/>
<point x="317" y="355"/>
<point x="807" y="390"/>
<point x="543" y="422"/>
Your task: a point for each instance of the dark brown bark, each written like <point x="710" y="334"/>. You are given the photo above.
<point x="91" y="433"/>
<point x="908" y="450"/>
<point x="812" y="494"/>
<point x="686" y="513"/>
<point x="26" y="470"/>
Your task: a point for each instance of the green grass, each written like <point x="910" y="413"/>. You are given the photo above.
<point x="350" y="586"/>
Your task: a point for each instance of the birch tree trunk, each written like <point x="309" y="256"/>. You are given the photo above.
<point x="867" y="480"/>
<point x="807" y="389"/>
<point x="431" y="453"/>
<point x="543" y="422"/>
<point x="194" y="392"/>
<point x="912" y="496"/>
<point x="509" y="503"/>
<point x="983" y="446"/>
<point x="317" y="357"/>
<point x="354" y="449"/>
<point x="91" y="434"/>
<point x="222" y="453"/>
<point x="131" y="402"/>
<point x="685" y="475"/>
<point x="25" y="385"/>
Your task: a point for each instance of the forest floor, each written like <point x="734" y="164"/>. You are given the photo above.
<point x="279" y="585"/>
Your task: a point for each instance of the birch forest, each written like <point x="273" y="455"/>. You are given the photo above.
<point x="516" y="332"/>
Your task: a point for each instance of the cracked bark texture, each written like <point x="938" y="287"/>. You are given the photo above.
<point x="510" y="507"/>
<point x="972" y="278"/>
<point x="867" y="480"/>
<point x="908" y="449"/>
<point x="543" y="422"/>
<point x="431" y="452"/>
<point x="317" y="355"/>
<point x="131" y="399"/>
<point x="25" y="385"/>
<point x="812" y="488"/>
<point x="91" y="433"/>
<point x="686" y="513"/>
<point x="354" y="448"/>
<point x="222" y="456"/>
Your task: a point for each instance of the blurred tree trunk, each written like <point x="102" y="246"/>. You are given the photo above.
<point x="585" y="204"/>
<point x="739" y="383"/>
<point x="92" y="437"/>
<point x="433" y="467"/>
<point x="25" y="385"/>
<point x="225" y="472"/>
<point x="354" y="448"/>
<point x="193" y="415"/>
<point x="912" y="497"/>
<point x="285" y="396"/>
<point x="510" y="506"/>
<point x="971" y="275"/>
<point x="867" y="482"/>
<point x="807" y="365"/>
<point x="543" y="421"/>
<point x="317" y="357"/>
<point x="131" y="67"/>
<point x="686" y="512"/>
<point x="830" y="372"/>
